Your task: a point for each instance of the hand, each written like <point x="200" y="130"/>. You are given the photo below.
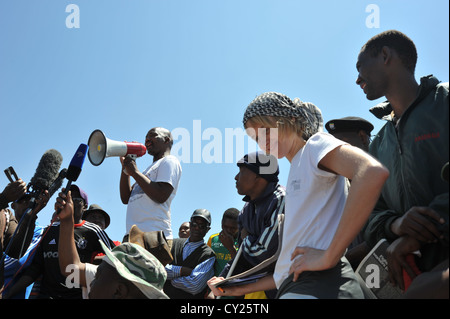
<point x="309" y="259"/>
<point x="244" y="233"/>
<point x="41" y="201"/>
<point x="15" y="190"/>
<point x="227" y="240"/>
<point x="230" y="291"/>
<point x="65" y="203"/>
<point x="211" y="284"/>
<point x="129" y="166"/>
<point x="396" y="257"/>
<point x="418" y="222"/>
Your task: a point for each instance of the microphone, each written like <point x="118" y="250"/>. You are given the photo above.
<point x="74" y="169"/>
<point x="75" y="165"/>
<point x="46" y="172"/>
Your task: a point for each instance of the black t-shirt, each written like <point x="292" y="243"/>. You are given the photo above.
<point x="46" y="263"/>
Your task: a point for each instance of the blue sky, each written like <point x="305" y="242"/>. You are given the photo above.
<point x="134" y="65"/>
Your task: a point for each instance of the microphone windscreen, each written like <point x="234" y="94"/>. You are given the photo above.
<point x="76" y="163"/>
<point x="58" y="182"/>
<point x="47" y="170"/>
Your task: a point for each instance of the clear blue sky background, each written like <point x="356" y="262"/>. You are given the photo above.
<point x="134" y="65"/>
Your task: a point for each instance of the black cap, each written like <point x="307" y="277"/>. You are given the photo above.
<point x="262" y="164"/>
<point x="203" y="213"/>
<point x="349" y="124"/>
<point x="97" y="208"/>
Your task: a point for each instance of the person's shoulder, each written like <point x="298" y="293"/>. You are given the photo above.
<point x="213" y="236"/>
<point x="442" y="86"/>
<point x="323" y="139"/>
<point x="179" y="240"/>
<point x="171" y="158"/>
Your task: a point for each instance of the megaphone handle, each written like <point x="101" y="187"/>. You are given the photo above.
<point x="133" y="157"/>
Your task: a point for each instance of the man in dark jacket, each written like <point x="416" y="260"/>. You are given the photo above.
<point x="193" y="261"/>
<point x="412" y="212"/>
<point x="258" y="221"/>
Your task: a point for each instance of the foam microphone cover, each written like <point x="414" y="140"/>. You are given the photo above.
<point x="76" y="163"/>
<point x="58" y="182"/>
<point x="47" y="170"/>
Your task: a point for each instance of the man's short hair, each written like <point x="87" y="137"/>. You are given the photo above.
<point x="231" y="213"/>
<point x="397" y="41"/>
<point x="164" y="133"/>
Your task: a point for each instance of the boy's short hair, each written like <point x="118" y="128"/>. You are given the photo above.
<point x="397" y="41"/>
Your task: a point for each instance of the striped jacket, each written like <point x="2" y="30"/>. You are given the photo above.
<point x="260" y="218"/>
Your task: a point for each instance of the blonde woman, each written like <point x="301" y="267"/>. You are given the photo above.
<point x="321" y="219"/>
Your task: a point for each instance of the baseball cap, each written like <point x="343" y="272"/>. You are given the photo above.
<point x="202" y="213"/>
<point x="265" y="165"/>
<point x="97" y="208"/>
<point x="138" y="266"/>
<point x="83" y="194"/>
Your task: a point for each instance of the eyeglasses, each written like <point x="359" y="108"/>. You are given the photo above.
<point x="200" y="226"/>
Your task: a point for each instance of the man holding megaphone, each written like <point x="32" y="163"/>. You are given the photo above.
<point x="148" y="199"/>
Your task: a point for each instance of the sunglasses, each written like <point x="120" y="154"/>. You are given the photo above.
<point x="200" y="226"/>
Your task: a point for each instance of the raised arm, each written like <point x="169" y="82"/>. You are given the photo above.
<point x="67" y="251"/>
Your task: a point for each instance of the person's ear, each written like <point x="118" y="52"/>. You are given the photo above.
<point x="386" y="53"/>
<point x="365" y="139"/>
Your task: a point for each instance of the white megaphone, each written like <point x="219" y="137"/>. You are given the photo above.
<point x="101" y="147"/>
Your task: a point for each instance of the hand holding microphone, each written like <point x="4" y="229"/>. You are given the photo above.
<point x="12" y="192"/>
<point x="64" y="205"/>
<point x="74" y="168"/>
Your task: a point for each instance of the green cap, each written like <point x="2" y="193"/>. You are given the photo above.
<point x="139" y="266"/>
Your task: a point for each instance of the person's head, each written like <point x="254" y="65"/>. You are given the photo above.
<point x="184" y="231"/>
<point x="278" y="123"/>
<point x="20" y="205"/>
<point x="386" y="55"/>
<point x="230" y="221"/>
<point x="95" y="214"/>
<point x="128" y="271"/>
<point x="158" y="141"/>
<point x="256" y="171"/>
<point x="351" y="129"/>
<point x="80" y="201"/>
<point x="199" y="224"/>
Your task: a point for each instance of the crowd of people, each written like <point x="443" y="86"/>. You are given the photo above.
<point x="344" y="193"/>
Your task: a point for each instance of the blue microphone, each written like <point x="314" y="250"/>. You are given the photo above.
<point x="74" y="169"/>
<point x="76" y="163"/>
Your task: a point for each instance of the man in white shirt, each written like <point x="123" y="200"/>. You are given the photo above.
<point x="150" y="197"/>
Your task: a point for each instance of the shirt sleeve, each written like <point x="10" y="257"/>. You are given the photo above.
<point x="258" y="248"/>
<point x="90" y="271"/>
<point x="173" y="271"/>
<point x="169" y="171"/>
<point x="196" y="281"/>
<point x="319" y="145"/>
